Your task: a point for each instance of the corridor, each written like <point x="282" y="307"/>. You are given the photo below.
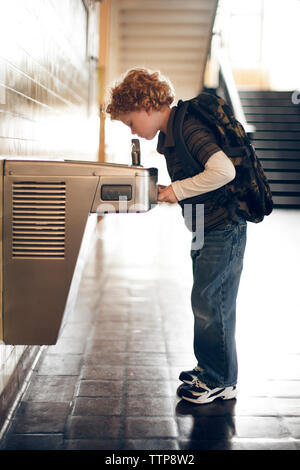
<point x="111" y="380"/>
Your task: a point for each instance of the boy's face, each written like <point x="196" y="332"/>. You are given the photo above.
<point x="142" y="123"/>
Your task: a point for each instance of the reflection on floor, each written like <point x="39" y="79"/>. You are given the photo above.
<point x="111" y="380"/>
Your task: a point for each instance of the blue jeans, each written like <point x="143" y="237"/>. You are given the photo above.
<point x="217" y="269"/>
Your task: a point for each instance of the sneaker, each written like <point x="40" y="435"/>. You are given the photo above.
<point x="181" y="388"/>
<point x="199" y="393"/>
<point x="189" y="375"/>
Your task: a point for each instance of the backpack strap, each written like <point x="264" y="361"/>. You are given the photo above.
<point x="191" y="166"/>
<point x="189" y="163"/>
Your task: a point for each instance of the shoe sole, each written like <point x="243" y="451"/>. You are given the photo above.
<point x="228" y="396"/>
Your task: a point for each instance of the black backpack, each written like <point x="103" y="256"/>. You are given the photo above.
<point x="250" y="187"/>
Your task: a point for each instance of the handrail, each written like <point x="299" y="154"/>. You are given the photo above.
<point x="233" y="95"/>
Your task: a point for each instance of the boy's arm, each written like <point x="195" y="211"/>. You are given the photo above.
<point x="218" y="168"/>
<point x="218" y="171"/>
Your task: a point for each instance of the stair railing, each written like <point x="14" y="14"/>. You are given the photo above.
<point x="227" y="82"/>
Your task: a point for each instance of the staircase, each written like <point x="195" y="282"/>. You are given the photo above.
<point x="277" y="141"/>
<point x="172" y="36"/>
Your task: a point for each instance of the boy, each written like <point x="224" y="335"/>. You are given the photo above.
<point x="142" y="101"/>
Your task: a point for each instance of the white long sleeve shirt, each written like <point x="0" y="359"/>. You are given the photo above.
<point x="218" y="171"/>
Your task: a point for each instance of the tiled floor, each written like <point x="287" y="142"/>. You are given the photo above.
<point x="111" y="380"/>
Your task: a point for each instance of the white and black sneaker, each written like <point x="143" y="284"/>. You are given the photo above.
<point x="199" y="393"/>
<point x="189" y="375"/>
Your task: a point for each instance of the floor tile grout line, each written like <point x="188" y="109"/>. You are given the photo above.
<point x="76" y="386"/>
<point x="162" y="319"/>
<point x="122" y="427"/>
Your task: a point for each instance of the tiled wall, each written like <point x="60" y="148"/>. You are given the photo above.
<point x="45" y="76"/>
<point x="9" y="356"/>
<point x="48" y="98"/>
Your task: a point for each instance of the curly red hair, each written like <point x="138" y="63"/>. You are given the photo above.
<point x="140" y="89"/>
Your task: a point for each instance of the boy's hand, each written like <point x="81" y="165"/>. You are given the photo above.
<point x="166" y="194"/>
